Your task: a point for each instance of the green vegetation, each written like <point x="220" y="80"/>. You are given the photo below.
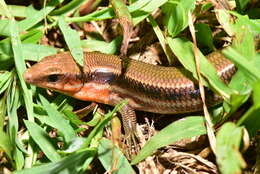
<point x="41" y="133"/>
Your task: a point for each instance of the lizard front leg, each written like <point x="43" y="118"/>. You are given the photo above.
<point x="129" y="124"/>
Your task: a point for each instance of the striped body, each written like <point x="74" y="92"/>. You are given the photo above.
<point x="153" y="88"/>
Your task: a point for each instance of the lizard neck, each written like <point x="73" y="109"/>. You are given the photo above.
<point x="93" y="91"/>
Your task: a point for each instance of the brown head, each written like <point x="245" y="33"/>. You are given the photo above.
<point x="61" y="73"/>
<point x="58" y="72"/>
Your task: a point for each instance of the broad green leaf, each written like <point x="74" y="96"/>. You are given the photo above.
<point x="204" y="35"/>
<point x="61" y="102"/>
<point x="176" y="15"/>
<point x="140" y="14"/>
<point x="106" y="13"/>
<point x="241" y="81"/>
<point x="206" y="6"/>
<point x="112" y="158"/>
<point x="4" y="9"/>
<point x="26" y="93"/>
<point x="184" y="128"/>
<point x="243" y="21"/>
<point x="251" y="119"/>
<point x="13" y="103"/>
<point x="229" y="159"/>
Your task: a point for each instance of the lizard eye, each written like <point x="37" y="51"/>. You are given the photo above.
<point x="53" y="78"/>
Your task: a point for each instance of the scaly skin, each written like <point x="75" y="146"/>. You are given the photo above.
<point x="151" y="88"/>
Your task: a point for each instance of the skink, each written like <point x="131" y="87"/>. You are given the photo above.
<point x="158" y="89"/>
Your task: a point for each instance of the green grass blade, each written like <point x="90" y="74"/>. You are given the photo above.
<point x="99" y="127"/>
<point x="58" y="121"/>
<point x="43" y="140"/>
<point x="27" y="23"/>
<point x="33" y="36"/>
<point x="183" y="49"/>
<point x="73" y="41"/>
<point x="32" y="20"/>
<point x="102" y="46"/>
<point x="70" y="164"/>
<point x="5" y="81"/>
<point x="74" y="118"/>
<point x="3" y="109"/>
<point x="35" y="52"/>
<point x="5" y="144"/>
<point x="160" y="37"/>
<point x="184" y="128"/>
<point x="28" y="37"/>
<point x="139" y="11"/>
<point x="20" y="67"/>
<point x="13" y="103"/>
<point x="16" y="10"/>
<point x="72" y="5"/>
<point x="27" y="95"/>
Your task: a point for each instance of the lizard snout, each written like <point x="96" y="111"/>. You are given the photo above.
<point x="27" y="76"/>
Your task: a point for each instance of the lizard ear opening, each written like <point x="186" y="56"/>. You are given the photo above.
<point x="103" y="76"/>
<point x="53" y="78"/>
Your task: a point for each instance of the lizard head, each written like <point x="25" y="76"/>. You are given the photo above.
<point x="58" y="72"/>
